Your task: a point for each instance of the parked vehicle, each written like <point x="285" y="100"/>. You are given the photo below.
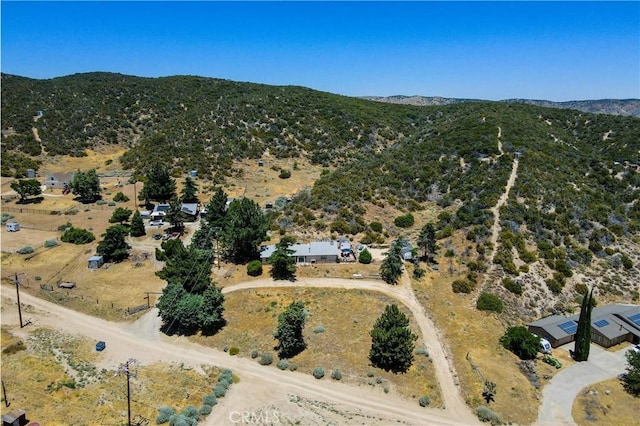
<point x="157" y="236"/>
<point x="636" y="348"/>
<point x="100" y="346"/>
<point x="545" y="346"/>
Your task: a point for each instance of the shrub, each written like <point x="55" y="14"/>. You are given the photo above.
<point x="283" y="364"/>
<point x="220" y="390"/>
<point x="50" y="243"/>
<point x="293" y="366"/>
<point x="163" y="414"/>
<point x="234" y="350"/>
<point x="365" y="257"/>
<point x="404" y="221"/>
<point x="318" y="329"/>
<point x="554" y="285"/>
<point x="418" y="272"/>
<point x="191" y="412"/>
<point x="265" y="358"/>
<point x="626" y="261"/>
<point x="485" y="414"/>
<point x="462" y="286"/>
<point x="205" y="410"/>
<point x="26" y="250"/>
<point x="254" y="268"/>
<point x="120" y="198"/>
<point x="422" y="351"/>
<point x="6" y="217"/>
<point x="489" y="302"/>
<point x="77" y="236"/>
<point x="37" y="278"/>
<point x="370" y="373"/>
<point x="284" y="174"/>
<point x="378" y="380"/>
<point x="449" y="253"/>
<point x="513" y="286"/>
<point x="318" y="372"/>
<point x="254" y="354"/>
<point x="376" y="226"/>
<point x="521" y="342"/>
<point x="424" y="401"/>
<point x="209" y="400"/>
<point x="225" y="348"/>
<point x="111" y="204"/>
<point x="101" y="202"/>
<point x="336" y="375"/>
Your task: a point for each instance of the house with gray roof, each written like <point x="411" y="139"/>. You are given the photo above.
<point x="313" y="252"/>
<point x="610" y="325"/>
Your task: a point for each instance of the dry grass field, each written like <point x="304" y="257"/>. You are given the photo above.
<point x="606" y="403"/>
<point x="54" y="375"/>
<point x="347" y="317"/>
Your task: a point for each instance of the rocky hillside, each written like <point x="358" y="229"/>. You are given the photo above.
<point x="629" y="107"/>
<point x="571" y="217"/>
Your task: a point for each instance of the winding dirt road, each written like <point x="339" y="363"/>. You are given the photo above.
<point x="295" y="396"/>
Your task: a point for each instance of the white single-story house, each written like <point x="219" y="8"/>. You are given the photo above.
<point x="159" y="212"/>
<point x="190" y="208"/>
<point x="58" y="180"/>
<point x="313" y="252"/>
<point x="610" y="325"/>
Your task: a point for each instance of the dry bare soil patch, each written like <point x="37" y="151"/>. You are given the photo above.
<point x="346" y="316"/>
<point x="54" y="374"/>
<point x="605" y="403"/>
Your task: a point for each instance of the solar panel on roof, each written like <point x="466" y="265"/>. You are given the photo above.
<point x="601" y="323"/>
<point x="635" y="319"/>
<point x="569" y="327"/>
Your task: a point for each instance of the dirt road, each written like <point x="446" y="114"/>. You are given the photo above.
<point x="296" y="397"/>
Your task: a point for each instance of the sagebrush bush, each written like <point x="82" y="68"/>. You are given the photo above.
<point x="404" y="221"/>
<point x="234" y="350"/>
<point x="50" y="243"/>
<point x="318" y="372"/>
<point x="191" y="412"/>
<point x="101" y="202"/>
<point x="205" y="410"/>
<point x="120" y="197"/>
<point x="37" y="278"/>
<point x="254" y="353"/>
<point x="485" y="414"/>
<point x="284" y="174"/>
<point x="164" y="413"/>
<point x="220" y="390"/>
<point x="422" y="351"/>
<point x="318" y="329"/>
<point x="424" y="401"/>
<point x="512" y="285"/>
<point x="283" y="364"/>
<point x="266" y="358"/>
<point x="336" y="375"/>
<point x="254" y="268"/>
<point x="209" y="400"/>
<point x="462" y="286"/>
<point x="370" y="373"/>
<point x="293" y="366"/>
<point x="378" y="380"/>
<point x="26" y="250"/>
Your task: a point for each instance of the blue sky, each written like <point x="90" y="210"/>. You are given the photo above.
<point x="486" y="50"/>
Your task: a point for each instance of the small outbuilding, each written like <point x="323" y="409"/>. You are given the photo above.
<point x="12" y="226"/>
<point x="95" y="262"/>
<point x="15" y="418"/>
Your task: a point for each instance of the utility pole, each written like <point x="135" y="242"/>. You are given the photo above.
<point x="4" y="393"/>
<point x="125" y="368"/>
<point x="18" y="294"/>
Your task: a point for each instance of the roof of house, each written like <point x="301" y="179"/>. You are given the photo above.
<point x="190" y="208"/>
<point x="610" y="320"/>
<point x="314" y="248"/>
<point x="96" y="257"/>
<point x="61" y="176"/>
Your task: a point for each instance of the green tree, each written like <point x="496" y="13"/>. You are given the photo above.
<point x="189" y="191"/>
<point x="113" y="246"/>
<point x="365" y="257"/>
<point x="120" y="215"/>
<point x="404" y="221"/>
<point x="159" y="186"/>
<point x="427" y="240"/>
<point x="391" y="267"/>
<point x="174" y="214"/>
<point x="521" y="342"/>
<point x="283" y="265"/>
<point x="489" y="302"/>
<point x="137" y="225"/>
<point x="26" y="188"/>
<point x="77" y="236"/>
<point x="86" y="185"/>
<point x="216" y="209"/>
<point x="392" y="341"/>
<point x="188" y="266"/>
<point x="631" y="380"/>
<point x="245" y="227"/>
<point x="290" y="330"/>
<point x="583" y="332"/>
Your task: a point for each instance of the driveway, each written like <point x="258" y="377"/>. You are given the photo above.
<point x="559" y="394"/>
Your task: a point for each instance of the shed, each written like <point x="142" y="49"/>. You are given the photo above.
<point x="31" y="173"/>
<point x="193" y="173"/>
<point x="13" y="226"/>
<point x="95" y="262"/>
<point x="15" y="418"/>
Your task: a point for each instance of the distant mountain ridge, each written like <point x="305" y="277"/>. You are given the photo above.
<point x="628" y="107"/>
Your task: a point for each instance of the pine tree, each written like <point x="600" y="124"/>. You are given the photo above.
<point x="245" y="227"/>
<point x="159" y="185"/>
<point x="427" y="240"/>
<point x="190" y="191"/>
<point x="583" y="332"/>
<point x="391" y="267"/>
<point x="392" y="341"/>
<point x="113" y="247"/>
<point x="216" y="209"/>
<point x="290" y="330"/>
<point x="137" y="225"/>
<point x="283" y="265"/>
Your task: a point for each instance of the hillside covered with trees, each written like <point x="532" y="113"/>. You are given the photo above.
<point x="573" y="207"/>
